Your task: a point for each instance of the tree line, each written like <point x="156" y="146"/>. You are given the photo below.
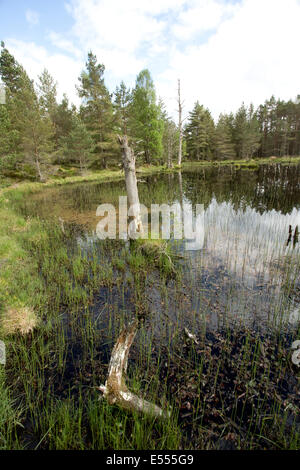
<point x="273" y="129"/>
<point x="41" y="136"/>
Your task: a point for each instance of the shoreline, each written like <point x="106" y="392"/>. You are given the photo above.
<point x="115" y="175"/>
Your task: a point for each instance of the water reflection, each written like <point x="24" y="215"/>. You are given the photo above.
<point x="245" y="268"/>
<point x="249" y="241"/>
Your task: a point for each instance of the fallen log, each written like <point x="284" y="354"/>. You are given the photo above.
<point x="115" y="389"/>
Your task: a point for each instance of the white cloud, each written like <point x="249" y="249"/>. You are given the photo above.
<point x="115" y="31"/>
<point x="251" y="56"/>
<point x="120" y="27"/>
<point x="64" y="44"/>
<point x="64" y="69"/>
<point x="225" y="52"/>
<point x="32" y="17"/>
<point x="201" y="16"/>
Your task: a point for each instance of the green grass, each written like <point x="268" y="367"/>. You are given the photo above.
<point x="20" y="187"/>
<point x="10" y="415"/>
<point x="48" y="389"/>
<point x="19" y="282"/>
<point x="155" y="253"/>
<point x="45" y="274"/>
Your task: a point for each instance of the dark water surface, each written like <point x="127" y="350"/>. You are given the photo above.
<point x="248" y="269"/>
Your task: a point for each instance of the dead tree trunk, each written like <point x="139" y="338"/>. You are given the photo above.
<point x="179" y="125"/>
<point x="169" y="162"/>
<point x="115" y="389"/>
<point x="131" y="186"/>
<point x="170" y="138"/>
<point x="38" y="168"/>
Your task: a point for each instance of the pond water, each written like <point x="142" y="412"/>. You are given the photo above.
<point x="248" y="268"/>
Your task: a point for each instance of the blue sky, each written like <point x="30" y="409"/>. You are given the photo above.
<point x="51" y="15"/>
<point x="224" y="51"/>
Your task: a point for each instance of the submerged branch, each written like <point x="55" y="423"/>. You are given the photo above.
<point x="115" y="389"/>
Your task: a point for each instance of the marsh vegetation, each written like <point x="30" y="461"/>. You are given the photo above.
<point x="230" y="384"/>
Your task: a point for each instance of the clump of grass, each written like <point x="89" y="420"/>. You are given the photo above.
<point x="137" y="261"/>
<point x="18" y="320"/>
<point x="159" y="254"/>
<point x="119" y="264"/>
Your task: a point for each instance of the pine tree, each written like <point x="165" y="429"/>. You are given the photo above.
<point x="224" y="145"/>
<point x="36" y="131"/>
<point x="199" y="134"/>
<point x="146" y="123"/>
<point x="8" y="141"/>
<point x="47" y="93"/>
<point x="78" y="145"/>
<point x="279" y="123"/>
<point x="122" y="103"/>
<point x="33" y="130"/>
<point x="11" y="71"/>
<point x="63" y="119"/>
<point x="294" y="130"/>
<point x="97" y="110"/>
<point x="13" y="77"/>
<point x="29" y="133"/>
<point x="246" y="132"/>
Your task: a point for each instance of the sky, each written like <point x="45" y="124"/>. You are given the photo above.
<point x="223" y="51"/>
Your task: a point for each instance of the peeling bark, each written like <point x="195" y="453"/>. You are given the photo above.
<point x="128" y="157"/>
<point x="115" y="389"/>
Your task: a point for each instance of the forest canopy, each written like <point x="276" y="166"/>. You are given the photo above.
<point x="40" y="136"/>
